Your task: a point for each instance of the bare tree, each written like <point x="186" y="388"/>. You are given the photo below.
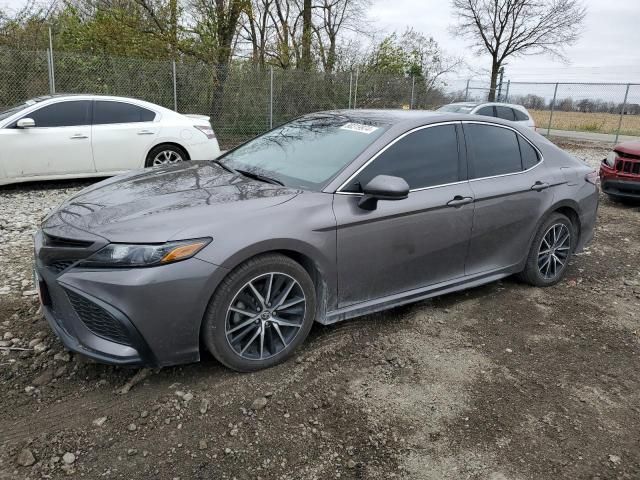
<point x="335" y="16"/>
<point x="507" y="28"/>
<point x="306" y="35"/>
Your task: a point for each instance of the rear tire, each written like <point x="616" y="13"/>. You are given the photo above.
<point x="166" y="155"/>
<point x="550" y="252"/>
<point x="261" y="312"/>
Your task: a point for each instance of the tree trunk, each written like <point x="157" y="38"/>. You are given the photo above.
<point x="495" y="68"/>
<point x="306" y="36"/>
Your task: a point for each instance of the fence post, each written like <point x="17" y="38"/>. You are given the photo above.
<point x="175" y="87"/>
<point x="506" y="95"/>
<point x="52" y="70"/>
<point x="355" y="92"/>
<point x="553" y="105"/>
<point x="624" y="107"/>
<point x="271" y="98"/>
<point x="350" y="87"/>
<point x="413" y="87"/>
<point x="466" y="92"/>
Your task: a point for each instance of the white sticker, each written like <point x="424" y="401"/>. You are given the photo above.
<point x="359" y="127"/>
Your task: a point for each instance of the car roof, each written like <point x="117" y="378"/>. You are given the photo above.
<point x="407" y="119"/>
<point x="88" y="96"/>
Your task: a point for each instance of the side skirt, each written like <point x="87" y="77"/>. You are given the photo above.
<point x="411" y="296"/>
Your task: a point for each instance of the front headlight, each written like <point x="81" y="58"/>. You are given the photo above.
<point x="611" y="159"/>
<point x="135" y="255"/>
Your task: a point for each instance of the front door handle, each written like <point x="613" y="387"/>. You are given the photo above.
<point x="539" y="186"/>
<point x="459" y="201"/>
<point x="78" y="136"/>
<point x="146" y="132"/>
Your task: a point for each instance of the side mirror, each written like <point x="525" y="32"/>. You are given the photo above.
<point x="26" y="123"/>
<point x="383" y="187"/>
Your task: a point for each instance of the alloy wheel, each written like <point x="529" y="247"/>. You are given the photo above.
<point x="167" y="157"/>
<point x="265" y="316"/>
<point x="554" y="251"/>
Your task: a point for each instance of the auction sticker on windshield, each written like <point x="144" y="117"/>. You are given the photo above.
<point x="359" y="127"/>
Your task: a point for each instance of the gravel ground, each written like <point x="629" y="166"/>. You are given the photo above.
<point x="500" y="382"/>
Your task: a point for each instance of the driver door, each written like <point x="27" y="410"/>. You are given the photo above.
<point x="412" y="243"/>
<point x="58" y="144"/>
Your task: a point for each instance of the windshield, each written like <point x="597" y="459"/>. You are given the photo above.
<point x="308" y="151"/>
<point x="456" y="108"/>
<point x="7" y="113"/>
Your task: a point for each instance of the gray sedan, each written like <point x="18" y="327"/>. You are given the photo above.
<point x="328" y="217"/>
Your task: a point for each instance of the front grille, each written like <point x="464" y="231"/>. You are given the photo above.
<point x="628" y="166"/>
<point x="98" y="320"/>
<point x="61" y="265"/>
<point x="53" y="241"/>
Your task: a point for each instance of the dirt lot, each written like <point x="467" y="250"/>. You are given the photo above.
<point x="499" y="382"/>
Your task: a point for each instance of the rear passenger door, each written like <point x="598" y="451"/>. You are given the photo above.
<point x="512" y="189"/>
<point x="122" y="135"/>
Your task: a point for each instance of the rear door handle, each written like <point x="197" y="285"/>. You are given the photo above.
<point x="539" y="186"/>
<point x="78" y="136"/>
<point x="146" y="132"/>
<point x="459" y="201"/>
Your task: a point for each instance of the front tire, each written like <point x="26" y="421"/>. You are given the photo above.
<point x="261" y="312"/>
<point x="550" y="252"/>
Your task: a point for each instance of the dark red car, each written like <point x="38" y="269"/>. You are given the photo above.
<point x="620" y="171"/>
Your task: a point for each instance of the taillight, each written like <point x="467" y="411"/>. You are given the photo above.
<point x="592" y="177"/>
<point x="207" y="130"/>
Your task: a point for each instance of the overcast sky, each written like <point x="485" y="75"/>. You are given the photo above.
<point x="608" y="50"/>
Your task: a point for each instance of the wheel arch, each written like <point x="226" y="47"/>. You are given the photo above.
<point x="168" y="143"/>
<point x="570" y="209"/>
<point x="318" y="267"/>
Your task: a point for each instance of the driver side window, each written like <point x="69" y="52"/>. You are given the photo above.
<point x="425" y="158"/>
<point x="62" y="114"/>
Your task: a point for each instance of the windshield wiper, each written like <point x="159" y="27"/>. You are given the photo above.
<point x="261" y="178"/>
<point x="226" y="167"/>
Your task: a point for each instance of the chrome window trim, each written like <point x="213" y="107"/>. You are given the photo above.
<point x="384" y="149"/>
<point x="517" y="133"/>
<point x="454" y="122"/>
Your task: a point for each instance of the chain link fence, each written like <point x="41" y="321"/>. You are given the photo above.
<point x="243" y="101"/>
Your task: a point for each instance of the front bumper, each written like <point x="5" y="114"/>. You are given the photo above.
<point x="138" y="316"/>
<point x="621" y="188"/>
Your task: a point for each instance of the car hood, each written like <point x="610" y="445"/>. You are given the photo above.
<point x="157" y="205"/>
<point x="631" y="148"/>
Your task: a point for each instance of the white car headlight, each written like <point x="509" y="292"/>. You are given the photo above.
<point x="611" y="159"/>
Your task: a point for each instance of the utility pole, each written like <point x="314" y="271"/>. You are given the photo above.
<point x="499" y="97"/>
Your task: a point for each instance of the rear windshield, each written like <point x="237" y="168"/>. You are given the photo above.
<point x="456" y="108"/>
<point x="306" y="152"/>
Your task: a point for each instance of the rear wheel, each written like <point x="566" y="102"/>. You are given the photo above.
<point x="260" y="313"/>
<point x="165" y="155"/>
<point x="550" y="252"/>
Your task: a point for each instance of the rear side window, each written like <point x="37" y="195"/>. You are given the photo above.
<point x="494" y="150"/>
<point x="529" y="154"/>
<point x="425" y="158"/>
<point x="106" y="112"/>
<point x="505" y="113"/>
<point x="62" y="114"/>
<point x="487" y="111"/>
<point x="520" y="116"/>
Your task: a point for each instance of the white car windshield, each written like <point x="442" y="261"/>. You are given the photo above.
<point x="306" y="152"/>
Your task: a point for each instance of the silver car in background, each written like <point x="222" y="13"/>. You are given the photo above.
<point x="331" y="216"/>
<point x="505" y="111"/>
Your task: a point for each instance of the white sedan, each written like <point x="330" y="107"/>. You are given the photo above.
<point x="506" y="111"/>
<point x="74" y="136"/>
